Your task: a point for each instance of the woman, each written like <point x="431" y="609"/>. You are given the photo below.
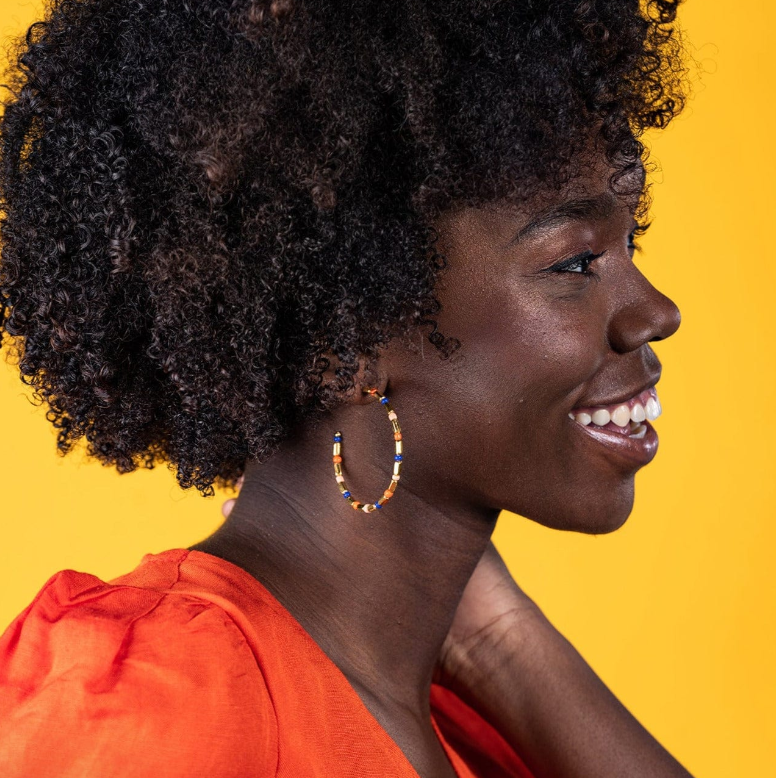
<point x="230" y="229"/>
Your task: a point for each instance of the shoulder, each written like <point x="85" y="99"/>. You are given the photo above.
<point x="134" y="672"/>
<point x="79" y="622"/>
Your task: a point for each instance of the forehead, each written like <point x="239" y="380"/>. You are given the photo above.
<point x="595" y="207"/>
<point x="596" y="194"/>
<point x="598" y="191"/>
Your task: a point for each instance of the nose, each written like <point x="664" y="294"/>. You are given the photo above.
<point x="647" y="316"/>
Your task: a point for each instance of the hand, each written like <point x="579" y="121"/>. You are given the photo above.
<point x="492" y="604"/>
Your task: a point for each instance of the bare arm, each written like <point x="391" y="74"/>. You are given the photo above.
<point x="508" y="662"/>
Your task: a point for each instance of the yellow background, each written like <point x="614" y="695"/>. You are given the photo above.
<point x="677" y="610"/>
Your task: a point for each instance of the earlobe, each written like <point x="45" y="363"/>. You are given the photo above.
<point x="369" y="375"/>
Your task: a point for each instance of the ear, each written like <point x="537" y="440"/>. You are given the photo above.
<point x="370" y="375"/>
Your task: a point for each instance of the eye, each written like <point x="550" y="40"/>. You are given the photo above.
<point x="578" y="264"/>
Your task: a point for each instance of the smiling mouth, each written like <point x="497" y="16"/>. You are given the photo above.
<point x="628" y="419"/>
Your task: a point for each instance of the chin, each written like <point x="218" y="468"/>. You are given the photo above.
<point x="607" y="522"/>
<point x="589" y="515"/>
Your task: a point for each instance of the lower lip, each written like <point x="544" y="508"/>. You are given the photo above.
<point x="638" y="451"/>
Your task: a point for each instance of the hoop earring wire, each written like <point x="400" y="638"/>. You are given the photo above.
<point x="368" y="507"/>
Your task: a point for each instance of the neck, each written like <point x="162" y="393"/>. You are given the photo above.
<point x="376" y="591"/>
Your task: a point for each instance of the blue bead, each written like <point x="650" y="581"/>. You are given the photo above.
<point x="384" y="401"/>
<point x="397" y="458"/>
<point x="346" y="495"/>
<point x="378" y="507"/>
<point x="337" y="438"/>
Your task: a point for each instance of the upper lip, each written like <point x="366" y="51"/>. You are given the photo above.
<point x="626" y="395"/>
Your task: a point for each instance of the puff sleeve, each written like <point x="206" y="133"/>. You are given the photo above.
<point x="113" y="681"/>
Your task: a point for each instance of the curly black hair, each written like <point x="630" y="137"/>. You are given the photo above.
<point x="203" y="198"/>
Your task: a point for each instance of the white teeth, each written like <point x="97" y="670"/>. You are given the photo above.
<point x="621" y="415"/>
<point x="653" y="409"/>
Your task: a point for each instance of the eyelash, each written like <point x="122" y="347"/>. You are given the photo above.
<point x="588" y="257"/>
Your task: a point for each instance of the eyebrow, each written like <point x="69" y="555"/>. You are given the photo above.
<point x="581" y="209"/>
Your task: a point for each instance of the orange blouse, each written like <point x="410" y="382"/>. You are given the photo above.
<point x="188" y="667"/>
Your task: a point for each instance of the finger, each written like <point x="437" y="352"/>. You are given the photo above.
<point x="240" y="481"/>
<point x="226" y="508"/>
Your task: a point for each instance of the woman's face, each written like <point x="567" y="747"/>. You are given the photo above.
<point x="541" y="339"/>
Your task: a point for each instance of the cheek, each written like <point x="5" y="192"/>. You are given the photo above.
<point x="524" y="358"/>
<point x="546" y="351"/>
<point x="531" y="370"/>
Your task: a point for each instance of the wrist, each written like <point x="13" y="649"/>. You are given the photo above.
<point x="497" y="655"/>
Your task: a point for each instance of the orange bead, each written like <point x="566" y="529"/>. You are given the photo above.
<point x="337" y="459"/>
<point x="397" y="435"/>
<point x="387" y="494"/>
<point x="357" y="505"/>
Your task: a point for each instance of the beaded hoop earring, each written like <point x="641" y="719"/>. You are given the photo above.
<point x="368" y="507"/>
